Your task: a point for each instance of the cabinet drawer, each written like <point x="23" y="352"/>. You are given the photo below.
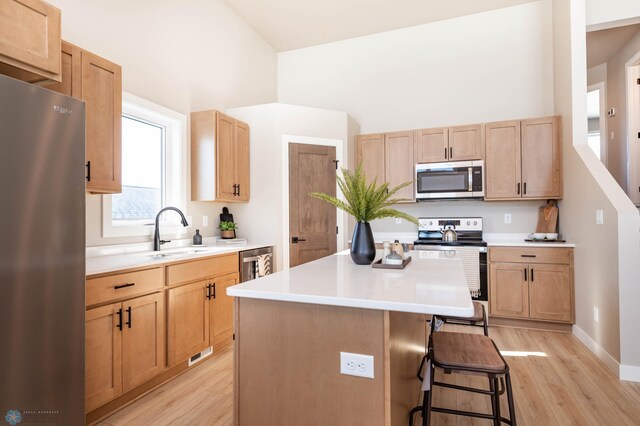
<point x="199" y="269"/>
<point x="120" y="286"/>
<point x="557" y="255"/>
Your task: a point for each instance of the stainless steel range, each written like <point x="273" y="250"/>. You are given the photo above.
<point x="468" y="246"/>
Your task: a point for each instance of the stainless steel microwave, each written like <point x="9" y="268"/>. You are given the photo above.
<point x="459" y="179"/>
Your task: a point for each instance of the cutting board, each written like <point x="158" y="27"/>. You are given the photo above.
<point x="225" y="216"/>
<point x="548" y="218"/>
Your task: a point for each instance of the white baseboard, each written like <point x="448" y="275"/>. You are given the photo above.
<point x="609" y="361"/>
<point x="630" y="373"/>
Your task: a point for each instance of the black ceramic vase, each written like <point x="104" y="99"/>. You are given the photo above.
<point x="363" y="247"/>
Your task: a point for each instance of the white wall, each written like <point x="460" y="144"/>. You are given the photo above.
<point x="485" y="67"/>
<point x="611" y="13"/>
<point x="186" y="56"/>
<point x="606" y="256"/>
<point x="263" y="218"/>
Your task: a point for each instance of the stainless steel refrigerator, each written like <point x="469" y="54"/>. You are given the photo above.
<point x="42" y="255"/>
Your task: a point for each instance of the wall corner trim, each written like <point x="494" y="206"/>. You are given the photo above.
<point x="610" y="362"/>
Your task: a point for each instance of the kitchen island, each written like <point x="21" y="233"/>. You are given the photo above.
<point x="292" y="326"/>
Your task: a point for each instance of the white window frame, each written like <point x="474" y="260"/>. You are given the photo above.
<point x="175" y="173"/>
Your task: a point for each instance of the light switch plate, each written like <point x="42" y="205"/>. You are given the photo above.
<point x="205" y="220"/>
<point x="356" y="365"/>
<point x="599" y="217"/>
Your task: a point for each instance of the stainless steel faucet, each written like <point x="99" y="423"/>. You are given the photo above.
<point x="157" y="242"/>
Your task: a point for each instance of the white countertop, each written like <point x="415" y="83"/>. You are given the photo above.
<point x="116" y="262"/>
<point x="426" y="285"/>
<point x="518" y="240"/>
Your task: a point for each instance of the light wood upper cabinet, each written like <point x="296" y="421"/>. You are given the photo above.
<point x="103" y="349"/>
<point x="102" y="93"/>
<point x="465" y="143"/>
<point x="531" y="283"/>
<point x="541" y="158"/>
<point x="371" y="152"/>
<point x="219" y="157"/>
<point x="221" y="326"/>
<point x="523" y="159"/>
<point x="399" y="164"/>
<point x="432" y="145"/>
<point x="30" y="40"/>
<point x="502" y="160"/>
<point x="143" y="346"/>
<point x="388" y="158"/>
<point x="98" y="83"/>
<point x="188" y="320"/>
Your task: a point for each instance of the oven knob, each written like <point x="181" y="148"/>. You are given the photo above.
<point x="430" y="223"/>
<point x="468" y="222"/>
<point x="475" y="222"/>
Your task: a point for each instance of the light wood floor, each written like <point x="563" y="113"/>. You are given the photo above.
<point x="556" y="381"/>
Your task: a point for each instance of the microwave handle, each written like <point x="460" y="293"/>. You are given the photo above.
<point x="470" y="176"/>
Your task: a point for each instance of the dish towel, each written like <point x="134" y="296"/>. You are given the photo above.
<point x="264" y="265"/>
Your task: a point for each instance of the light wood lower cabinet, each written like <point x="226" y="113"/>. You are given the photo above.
<point x="200" y="315"/>
<point x="535" y="283"/>
<point x="124" y="347"/>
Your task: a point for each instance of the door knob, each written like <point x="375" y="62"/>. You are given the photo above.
<point x="296" y="240"/>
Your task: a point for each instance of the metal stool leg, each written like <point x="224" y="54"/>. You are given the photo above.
<point x="496" y="388"/>
<point x="512" y="410"/>
<point x="426" y="420"/>
<point x="485" y="325"/>
<point x="494" y="401"/>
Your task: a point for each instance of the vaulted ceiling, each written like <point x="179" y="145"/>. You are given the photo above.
<point x="292" y="24"/>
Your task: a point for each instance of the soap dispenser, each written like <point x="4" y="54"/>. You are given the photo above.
<point x="197" y="239"/>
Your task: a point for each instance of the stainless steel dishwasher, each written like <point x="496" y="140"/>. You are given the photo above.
<point x="255" y="263"/>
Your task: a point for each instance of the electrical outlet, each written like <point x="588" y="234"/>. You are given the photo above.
<point x="596" y="314"/>
<point x="599" y="217"/>
<point x="398" y="220"/>
<point x="205" y="220"/>
<point x="507" y="218"/>
<point x="356" y="365"/>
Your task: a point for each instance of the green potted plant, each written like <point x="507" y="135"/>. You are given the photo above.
<point x="365" y="202"/>
<point x="227" y="229"/>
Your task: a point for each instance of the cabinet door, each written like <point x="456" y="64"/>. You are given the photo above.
<point x="509" y="292"/>
<point x="502" y="160"/>
<point x="465" y="143"/>
<point x="399" y="164"/>
<point x="541" y="159"/>
<point x="30" y="40"/>
<point x="102" y="93"/>
<point x="242" y="160"/>
<point x="222" y="311"/>
<point x="550" y="292"/>
<point x="225" y="157"/>
<point x="370" y="151"/>
<point x="432" y="145"/>
<point x="142" y="339"/>
<point x="103" y="349"/>
<point x="188" y="321"/>
<point x="71" y="72"/>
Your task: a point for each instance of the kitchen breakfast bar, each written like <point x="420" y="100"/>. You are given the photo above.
<point x="292" y="326"/>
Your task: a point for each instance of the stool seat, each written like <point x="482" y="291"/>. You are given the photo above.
<point x="478" y="314"/>
<point x="463" y="351"/>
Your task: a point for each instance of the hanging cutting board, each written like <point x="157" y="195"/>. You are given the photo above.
<point x="225" y="216"/>
<point x="548" y="218"/>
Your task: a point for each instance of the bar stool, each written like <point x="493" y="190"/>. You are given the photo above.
<point x="479" y="319"/>
<point x="465" y="353"/>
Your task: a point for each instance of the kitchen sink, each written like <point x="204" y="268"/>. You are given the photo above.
<point x="183" y="252"/>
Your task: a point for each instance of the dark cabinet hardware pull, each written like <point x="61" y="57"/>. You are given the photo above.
<point x="119" y="319"/>
<point x="445" y="153"/>
<point x="214" y="290"/>
<point x="208" y="291"/>
<point x="88" y="171"/>
<point x="525" y="274"/>
<point x="123" y="285"/>
<point x="528" y="255"/>
<point x="450" y="153"/>
<point x="531" y="274"/>
<point x="235" y="189"/>
<point x="525" y="189"/>
<point x="129" y="316"/>
<point x="518" y="188"/>
<point x="238" y="190"/>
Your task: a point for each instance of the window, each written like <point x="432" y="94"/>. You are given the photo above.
<point x="153" y="170"/>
